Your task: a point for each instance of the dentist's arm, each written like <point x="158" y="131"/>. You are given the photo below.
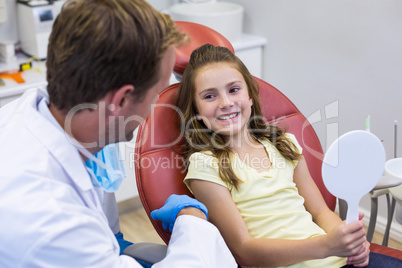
<point x="194" y="241"/>
<point x="177" y="205"/>
<point x="192" y="211"/>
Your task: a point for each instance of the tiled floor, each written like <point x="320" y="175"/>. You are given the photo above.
<point x="136" y="227"/>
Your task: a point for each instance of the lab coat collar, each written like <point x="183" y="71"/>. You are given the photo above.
<point x="55" y="140"/>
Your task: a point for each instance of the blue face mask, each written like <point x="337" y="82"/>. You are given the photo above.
<point x="106" y="167"/>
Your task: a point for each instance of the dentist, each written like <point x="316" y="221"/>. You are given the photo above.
<point x="107" y="62"/>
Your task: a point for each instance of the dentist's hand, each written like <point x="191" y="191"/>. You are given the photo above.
<point x="177" y="205"/>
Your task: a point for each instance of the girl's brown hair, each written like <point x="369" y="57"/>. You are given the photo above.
<point x="200" y="138"/>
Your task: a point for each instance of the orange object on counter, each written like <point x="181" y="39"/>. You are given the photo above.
<point x="13" y="74"/>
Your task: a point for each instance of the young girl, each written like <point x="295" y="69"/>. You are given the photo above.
<point x="252" y="176"/>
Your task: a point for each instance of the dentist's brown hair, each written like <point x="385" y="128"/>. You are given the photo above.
<point x="97" y="46"/>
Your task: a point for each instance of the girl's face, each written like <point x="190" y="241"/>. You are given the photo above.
<point x="222" y="99"/>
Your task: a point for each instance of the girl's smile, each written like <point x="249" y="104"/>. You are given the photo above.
<point x="229" y="116"/>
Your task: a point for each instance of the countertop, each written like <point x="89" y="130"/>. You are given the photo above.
<point x="35" y="77"/>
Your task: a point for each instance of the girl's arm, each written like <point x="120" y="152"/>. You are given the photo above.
<point x="250" y="251"/>
<point x="313" y="200"/>
<point x="326" y="218"/>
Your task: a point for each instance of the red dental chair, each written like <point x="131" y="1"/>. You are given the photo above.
<point x="158" y="166"/>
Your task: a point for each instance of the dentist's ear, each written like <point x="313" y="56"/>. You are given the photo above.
<point x="121" y="99"/>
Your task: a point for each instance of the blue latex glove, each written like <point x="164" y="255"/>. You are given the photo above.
<point x="168" y="213"/>
<point x="122" y="243"/>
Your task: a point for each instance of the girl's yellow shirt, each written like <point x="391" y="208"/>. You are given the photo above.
<point x="268" y="201"/>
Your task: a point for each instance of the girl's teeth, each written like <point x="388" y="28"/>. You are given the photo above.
<point x="228" y="117"/>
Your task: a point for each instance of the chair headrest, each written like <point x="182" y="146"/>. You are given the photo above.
<point x="199" y="35"/>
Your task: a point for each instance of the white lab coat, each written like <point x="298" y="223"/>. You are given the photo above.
<point x="51" y="214"/>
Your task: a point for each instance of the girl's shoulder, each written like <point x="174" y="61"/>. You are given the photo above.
<point x="292" y="138"/>
<point x="289" y="138"/>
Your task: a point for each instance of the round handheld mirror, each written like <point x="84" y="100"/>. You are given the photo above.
<point x="352" y="167"/>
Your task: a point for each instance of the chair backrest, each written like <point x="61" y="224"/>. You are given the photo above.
<point x="159" y="166"/>
<point x="199" y="35"/>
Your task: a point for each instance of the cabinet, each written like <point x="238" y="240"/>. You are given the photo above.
<point x="250" y="50"/>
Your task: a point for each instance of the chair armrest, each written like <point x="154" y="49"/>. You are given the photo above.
<point x="147" y="252"/>
<point x="386" y="251"/>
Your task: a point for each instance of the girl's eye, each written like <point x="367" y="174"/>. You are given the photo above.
<point x="208" y="96"/>
<point x="233" y="90"/>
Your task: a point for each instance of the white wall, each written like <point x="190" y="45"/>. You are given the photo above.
<point x="345" y="51"/>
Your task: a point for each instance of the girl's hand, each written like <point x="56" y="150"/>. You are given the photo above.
<point x="347" y="240"/>
<point x="361" y="259"/>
